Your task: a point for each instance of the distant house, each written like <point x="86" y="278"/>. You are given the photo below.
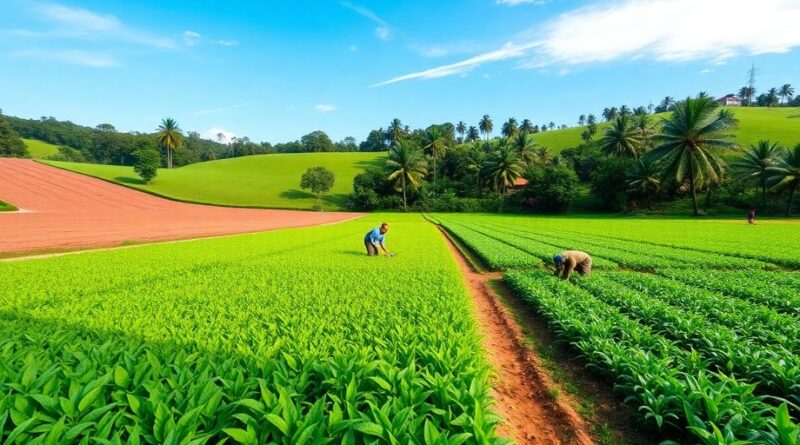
<point x="730" y="100"/>
<point x="519" y="184"/>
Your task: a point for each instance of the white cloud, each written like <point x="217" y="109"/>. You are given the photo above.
<point x="447" y="49"/>
<point x="220" y="109"/>
<point x="384" y="29"/>
<point x="228" y="42"/>
<point x="324" y="108"/>
<point x="660" y="30"/>
<point x="72" y="57"/>
<point x="219" y="135"/>
<point x="520" y="2"/>
<point x="78" y="18"/>
<point x="706" y="71"/>
<point x="191" y="38"/>
<point x="508" y="51"/>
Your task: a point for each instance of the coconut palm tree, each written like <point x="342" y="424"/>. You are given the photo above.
<point x="644" y="176"/>
<point x="624" y="111"/>
<point x="474" y="162"/>
<point x="647" y="131"/>
<point x="523" y="147"/>
<point x="436" y="146"/>
<point x="503" y="168"/>
<point x="687" y="141"/>
<point x="666" y="104"/>
<point x="747" y="93"/>
<point x="772" y="97"/>
<point x="621" y="139"/>
<point x="472" y="133"/>
<point x="486" y="126"/>
<point x="510" y="128"/>
<point x="786" y="174"/>
<point x="407" y="167"/>
<point x="461" y="129"/>
<point x="582" y="120"/>
<point x="786" y="92"/>
<point x="170" y="137"/>
<point x="542" y="155"/>
<point x="526" y="127"/>
<point x="395" y="131"/>
<point x="754" y="165"/>
<point x="610" y="114"/>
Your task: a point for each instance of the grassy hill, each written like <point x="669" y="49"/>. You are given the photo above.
<point x="40" y="149"/>
<point x="776" y="124"/>
<point x="251" y="181"/>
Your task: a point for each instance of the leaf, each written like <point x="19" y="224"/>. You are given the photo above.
<point x="121" y="376"/>
<point x="89" y="398"/>
<point x="53" y="436"/>
<point x="369" y="428"/>
<point x="278" y="422"/>
<point x="239" y="435"/>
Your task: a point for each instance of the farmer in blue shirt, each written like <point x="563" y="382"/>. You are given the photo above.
<point x="375" y="239"/>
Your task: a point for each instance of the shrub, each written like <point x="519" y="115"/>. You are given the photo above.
<point x="146" y="165"/>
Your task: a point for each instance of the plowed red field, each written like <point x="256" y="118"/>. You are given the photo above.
<point x="60" y="210"/>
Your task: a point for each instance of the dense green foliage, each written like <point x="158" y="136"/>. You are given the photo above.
<point x="285" y="337"/>
<point x="317" y="179"/>
<point x="146" y="164"/>
<point x="10" y="143"/>
<point x="707" y="347"/>
<point x="6" y="207"/>
<point x="260" y="181"/>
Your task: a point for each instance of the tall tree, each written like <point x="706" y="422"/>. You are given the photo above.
<point x="407" y="167"/>
<point x="526" y="127"/>
<point x="396" y="131"/>
<point x="319" y="180"/>
<point x="472" y="134"/>
<point x="772" y="97"/>
<point x="755" y="163"/>
<point x="486" y="125"/>
<point x="582" y="120"/>
<point x="746" y="93"/>
<point x="474" y="162"/>
<point x="503" y="168"/>
<point x="647" y="131"/>
<point x="436" y="145"/>
<point x="523" y="147"/>
<point x="786" y="92"/>
<point x="10" y="142"/>
<point x="510" y="128"/>
<point x="624" y="111"/>
<point x="622" y="138"/>
<point x="786" y="174"/>
<point x="461" y="129"/>
<point x="644" y="177"/>
<point x="688" y="140"/>
<point x="170" y="137"/>
<point x="610" y="114"/>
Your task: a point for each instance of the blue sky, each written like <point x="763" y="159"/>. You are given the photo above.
<point x="275" y="70"/>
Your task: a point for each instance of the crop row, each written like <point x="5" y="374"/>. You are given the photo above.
<point x="284" y="337"/>
<point x="671" y="386"/>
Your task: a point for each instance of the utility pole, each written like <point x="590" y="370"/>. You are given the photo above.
<point x="751" y="83"/>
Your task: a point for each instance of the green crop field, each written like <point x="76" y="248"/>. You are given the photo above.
<point x="776" y="124"/>
<point x="40" y="149"/>
<point x="255" y="181"/>
<point x="697" y="323"/>
<point x="284" y="337"/>
<point x="6" y="207"/>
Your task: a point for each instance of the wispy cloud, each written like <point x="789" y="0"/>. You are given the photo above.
<point x="508" y="51"/>
<point x="219" y="135"/>
<point x="78" y="19"/>
<point x="447" y="49"/>
<point x="191" y="38"/>
<point x="520" y="2"/>
<point x="383" y="31"/>
<point x="324" y="108"/>
<point x="72" y="57"/>
<point x="228" y="42"/>
<point x="220" y="109"/>
<point x="659" y="30"/>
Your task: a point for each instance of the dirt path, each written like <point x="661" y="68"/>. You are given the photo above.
<point x="521" y="386"/>
<point x="64" y="211"/>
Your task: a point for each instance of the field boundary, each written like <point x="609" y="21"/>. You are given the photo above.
<point x="183" y="200"/>
<point x="128" y="245"/>
<point x="523" y="390"/>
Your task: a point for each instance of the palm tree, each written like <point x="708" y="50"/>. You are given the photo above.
<point x="523" y="146"/>
<point x="474" y="162"/>
<point x="486" y="126"/>
<point x="786" y="92"/>
<point x="407" y="167"/>
<point x="754" y="165"/>
<point x="686" y="142"/>
<point x="510" y="128"/>
<point x="772" y="96"/>
<point x="542" y="155"/>
<point x="610" y="114"/>
<point x="621" y="139"/>
<point x="395" y="131"/>
<point x="644" y="176"/>
<point x="786" y="174"/>
<point x="461" y="129"/>
<point x="582" y="120"/>
<point x="526" y="127"/>
<point x="170" y="137"/>
<point x="472" y="133"/>
<point x="436" y="146"/>
<point x="624" y="111"/>
<point x="503" y="168"/>
<point x="747" y="93"/>
<point x="666" y="104"/>
<point x="644" y="125"/>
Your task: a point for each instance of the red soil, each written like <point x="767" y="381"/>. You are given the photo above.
<point x="61" y="210"/>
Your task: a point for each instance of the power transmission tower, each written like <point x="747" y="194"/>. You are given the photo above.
<point x="751" y="83"/>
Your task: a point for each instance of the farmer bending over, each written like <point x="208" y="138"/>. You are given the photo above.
<point x="571" y="260"/>
<point x="375" y="239"/>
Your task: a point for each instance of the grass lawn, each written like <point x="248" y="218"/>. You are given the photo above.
<point x="6" y="207"/>
<point x="40" y="149"/>
<point x="775" y="124"/>
<point x="257" y="181"/>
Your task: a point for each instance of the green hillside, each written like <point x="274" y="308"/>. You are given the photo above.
<point x="253" y="181"/>
<point x="776" y="124"/>
<point x="40" y="149"/>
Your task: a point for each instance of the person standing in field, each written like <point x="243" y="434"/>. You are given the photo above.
<point x="571" y="260"/>
<point x="751" y="216"/>
<point x="375" y="239"/>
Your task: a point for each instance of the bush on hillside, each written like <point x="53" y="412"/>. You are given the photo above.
<point x="146" y="164"/>
<point x="551" y="188"/>
<point x="609" y="185"/>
